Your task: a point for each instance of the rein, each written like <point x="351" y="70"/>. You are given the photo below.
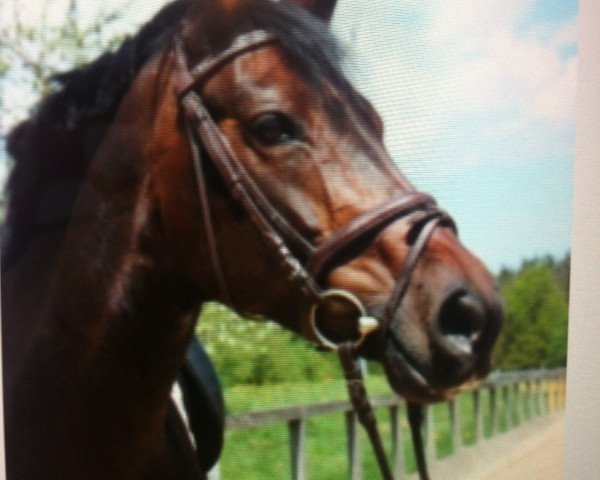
<point x="419" y="210"/>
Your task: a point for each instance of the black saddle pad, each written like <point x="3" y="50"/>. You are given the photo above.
<point x="203" y="402"/>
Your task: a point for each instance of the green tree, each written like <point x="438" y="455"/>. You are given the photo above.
<point x="36" y="42"/>
<point x="562" y="272"/>
<point x="35" y="47"/>
<point x="535" y="332"/>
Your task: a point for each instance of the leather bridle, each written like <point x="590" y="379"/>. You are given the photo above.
<point x="419" y="210"/>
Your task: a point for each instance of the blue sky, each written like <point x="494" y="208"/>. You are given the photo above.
<point x="478" y="100"/>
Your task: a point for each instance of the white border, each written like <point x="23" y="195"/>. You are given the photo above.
<point x="582" y="437"/>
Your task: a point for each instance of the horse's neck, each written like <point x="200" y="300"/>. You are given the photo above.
<point x="109" y="335"/>
<point x="25" y="289"/>
<point x="93" y="388"/>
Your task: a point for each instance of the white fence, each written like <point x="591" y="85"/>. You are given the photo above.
<point x="509" y="399"/>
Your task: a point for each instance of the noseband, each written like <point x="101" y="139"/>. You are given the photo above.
<point x="309" y="265"/>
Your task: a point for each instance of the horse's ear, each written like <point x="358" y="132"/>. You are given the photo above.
<point x="321" y="8"/>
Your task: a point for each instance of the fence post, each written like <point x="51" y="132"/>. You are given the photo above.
<point x="531" y="390"/>
<point x="478" y="414"/>
<point x="506" y="407"/>
<point x="542" y="397"/>
<point x="494" y="410"/>
<point x="352" y="431"/>
<point x="524" y="400"/>
<point x="297" y="434"/>
<point x="397" y="442"/>
<point x="554" y="395"/>
<point x="560" y="392"/>
<point x="430" y="449"/>
<point x="539" y="400"/>
<point x="516" y="403"/>
<point x="455" y="427"/>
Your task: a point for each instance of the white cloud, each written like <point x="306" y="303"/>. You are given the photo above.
<point x="555" y="100"/>
<point x="492" y="67"/>
<point x="425" y="69"/>
<point x="566" y="35"/>
<point x="463" y="26"/>
<point x="514" y="75"/>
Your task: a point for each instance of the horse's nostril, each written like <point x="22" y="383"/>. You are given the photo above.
<point x="461" y="321"/>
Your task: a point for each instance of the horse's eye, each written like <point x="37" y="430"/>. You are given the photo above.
<point x="275" y="128"/>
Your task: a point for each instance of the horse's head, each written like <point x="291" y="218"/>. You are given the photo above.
<point x="308" y="143"/>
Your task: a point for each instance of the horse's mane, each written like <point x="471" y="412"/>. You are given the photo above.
<point x="54" y="147"/>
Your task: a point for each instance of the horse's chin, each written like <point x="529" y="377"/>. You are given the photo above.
<point x="409" y="382"/>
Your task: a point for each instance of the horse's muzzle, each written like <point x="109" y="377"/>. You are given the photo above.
<point x="431" y="361"/>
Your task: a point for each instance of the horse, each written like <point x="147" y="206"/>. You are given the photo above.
<point x="220" y="154"/>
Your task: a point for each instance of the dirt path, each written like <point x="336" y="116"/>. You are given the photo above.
<point x="541" y="458"/>
<point x="532" y="451"/>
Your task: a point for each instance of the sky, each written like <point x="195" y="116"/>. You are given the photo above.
<point x="478" y="101"/>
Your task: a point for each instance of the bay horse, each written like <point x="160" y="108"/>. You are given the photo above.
<point x="218" y="155"/>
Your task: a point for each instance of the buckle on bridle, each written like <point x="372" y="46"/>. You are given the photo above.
<point x="344" y="302"/>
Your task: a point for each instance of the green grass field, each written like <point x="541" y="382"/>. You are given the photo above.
<point x="263" y="452"/>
